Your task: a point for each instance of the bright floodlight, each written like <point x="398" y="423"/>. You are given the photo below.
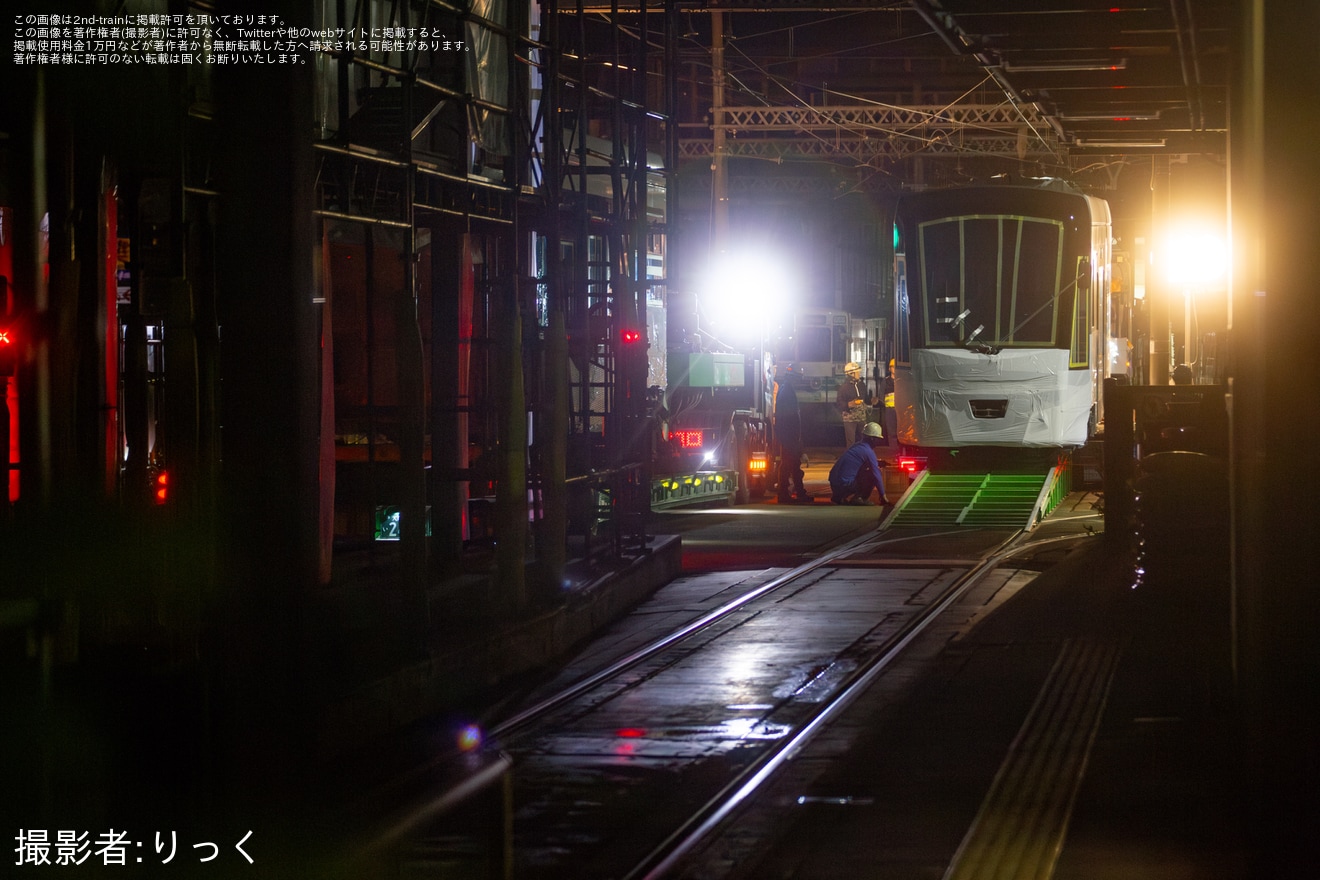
<point x="1194" y="258"/>
<point x="746" y="289"/>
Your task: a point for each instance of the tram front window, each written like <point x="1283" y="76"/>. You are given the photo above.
<point x="813" y="344"/>
<point x="999" y="273"/>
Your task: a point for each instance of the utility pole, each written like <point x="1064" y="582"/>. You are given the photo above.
<point x="718" y="166"/>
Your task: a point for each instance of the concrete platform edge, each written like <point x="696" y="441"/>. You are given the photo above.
<point x="461" y="668"/>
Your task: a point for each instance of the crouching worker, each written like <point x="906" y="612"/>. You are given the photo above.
<point x="857" y="472"/>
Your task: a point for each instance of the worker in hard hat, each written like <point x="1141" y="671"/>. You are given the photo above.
<point x="857" y="472"/>
<point x="853" y="403"/>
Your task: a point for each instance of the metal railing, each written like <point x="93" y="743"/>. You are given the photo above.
<point x="609" y="509"/>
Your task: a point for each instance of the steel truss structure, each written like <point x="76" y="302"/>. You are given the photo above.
<point x="866" y="133"/>
<point x="884" y="118"/>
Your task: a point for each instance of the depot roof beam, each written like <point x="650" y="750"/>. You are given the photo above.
<point x="876" y="117"/>
<point x="863" y="149"/>
<point x="870" y="130"/>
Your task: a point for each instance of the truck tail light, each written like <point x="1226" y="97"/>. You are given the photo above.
<point x="687" y="439"/>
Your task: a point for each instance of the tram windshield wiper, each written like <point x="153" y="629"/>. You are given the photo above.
<point x="956" y="326"/>
<point x="969" y="341"/>
<point x="971" y="344"/>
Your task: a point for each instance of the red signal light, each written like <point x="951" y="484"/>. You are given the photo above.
<point x="160" y="487"/>
<point x="630" y="335"/>
<point x="687" y="439"/>
<point x="8" y="351"/>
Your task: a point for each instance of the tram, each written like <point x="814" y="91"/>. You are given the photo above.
<point x="1001" y="317"/>
<point x="819" y="343"/>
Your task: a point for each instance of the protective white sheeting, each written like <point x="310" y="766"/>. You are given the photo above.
<point x="1048" y="404"/>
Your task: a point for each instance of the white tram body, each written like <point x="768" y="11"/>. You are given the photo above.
<point x="1002" y="316"/>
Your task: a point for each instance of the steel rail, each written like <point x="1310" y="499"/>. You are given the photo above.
<point x="576" y="689"/>
<point x="521" y="719"/>
<point x="702" y="823"/>
<point x="715" y="811"/>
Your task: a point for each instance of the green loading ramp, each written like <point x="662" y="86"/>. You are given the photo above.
<point x="1014" y="501"/>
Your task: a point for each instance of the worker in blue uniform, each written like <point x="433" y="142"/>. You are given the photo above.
<point x="857" y="472"/>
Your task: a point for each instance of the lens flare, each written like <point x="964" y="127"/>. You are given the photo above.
<point x="469" y="737"/>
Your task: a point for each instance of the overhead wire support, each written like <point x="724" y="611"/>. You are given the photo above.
<point x="948" y="30"/>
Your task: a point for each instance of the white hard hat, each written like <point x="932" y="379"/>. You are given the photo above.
<point x="871" y="429"/>
<point x="851" y="367"/>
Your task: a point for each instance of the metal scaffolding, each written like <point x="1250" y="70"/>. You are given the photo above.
<point x="531" y="166"/>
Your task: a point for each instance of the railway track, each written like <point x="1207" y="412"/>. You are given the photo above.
<point x="623" y="770"/>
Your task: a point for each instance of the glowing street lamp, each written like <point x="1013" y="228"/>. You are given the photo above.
<point x="745" y="282"/>
<point x="744" y="290"/>
<point x="1193" y="260"/>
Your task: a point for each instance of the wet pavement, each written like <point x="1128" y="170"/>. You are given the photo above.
<point x="765" y="533"/>
<point x="711" y="709"/>
<point x="942" y="770"/>
<point x="1079" y="730"/>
